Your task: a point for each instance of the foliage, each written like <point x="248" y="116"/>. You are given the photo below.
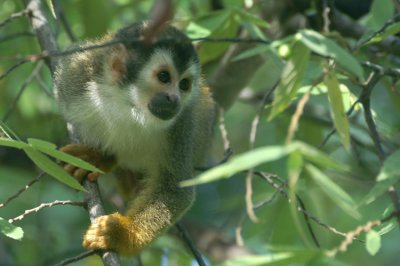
<point x="321" y="154"/>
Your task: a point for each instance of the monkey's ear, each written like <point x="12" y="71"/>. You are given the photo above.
<point x="116" y="64"/>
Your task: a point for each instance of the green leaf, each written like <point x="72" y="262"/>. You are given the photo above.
<point x="326" y="47"/>
<point x="51" y="7"/>
<point x="373" y="242"/>
<point x="228" y="28"/>
<point x="245" y="16"/>
<point x="382" y="11"/>
<point x="314" y="155"/>
<point x="52" y="168"/>
<point x="12" y="143"/>
<point x="333" y="191"/>
<point x="337" y="108"/>
<point x="194" y="30"/>
<point x="388" y="176"/>
<point x="252" y="52"/>
<point x="11" y="230"/>
<point x="50" y="149"/>
<point x="281" y="258"/>
<point x="239" y="163"/>
<point x="292" y="76"/>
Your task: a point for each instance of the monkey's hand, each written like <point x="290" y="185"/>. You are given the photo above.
<point x="113" y="232"/>
<point x="89" y="155"/>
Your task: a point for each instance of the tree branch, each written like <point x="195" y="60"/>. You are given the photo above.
<point x="48" y="44"/>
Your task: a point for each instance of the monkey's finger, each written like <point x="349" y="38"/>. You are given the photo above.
<point x="93" y="176"/>
<point x="80" y="174"/>
<point x="69" y="168"/>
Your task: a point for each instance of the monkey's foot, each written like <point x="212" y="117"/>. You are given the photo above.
<point x="89" y="155"/>
<point x="112" y="232"/>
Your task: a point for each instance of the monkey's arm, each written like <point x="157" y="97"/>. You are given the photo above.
<point x="155" y="209"/>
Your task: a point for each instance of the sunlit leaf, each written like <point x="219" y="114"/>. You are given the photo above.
<point x="239" y="163"/>
<point x="11" y="230"/>
<point x="194" y="30"/>
<point x="50" y="149"/>
<point x="373" y="242"/>
<point x="326" y="47"/>
<point x="333" y="191"/>
<point x="12" y="143"/>
<point x="292" y="76"/>
<point x="337" y="108"/>
<point x="52" y="168"/>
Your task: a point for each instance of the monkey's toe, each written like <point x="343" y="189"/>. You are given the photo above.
<point x="111" y="232"/>
<point x="98" y="235"/>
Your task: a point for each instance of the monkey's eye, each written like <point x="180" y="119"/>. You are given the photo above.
<point x="164" y="77"/>
<point x="184" y="84"/>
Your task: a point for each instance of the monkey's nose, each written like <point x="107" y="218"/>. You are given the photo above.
<point x="164" y="105"/>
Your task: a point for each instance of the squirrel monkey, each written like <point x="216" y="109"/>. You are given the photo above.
<point x="142" y="110"/>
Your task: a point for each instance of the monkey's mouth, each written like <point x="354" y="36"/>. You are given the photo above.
<point x="164" y="106"/>
<point x="163" y="114"/>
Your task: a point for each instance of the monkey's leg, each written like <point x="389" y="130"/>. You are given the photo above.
<point x="90" y="155"/>
<point x="153" y="211"/>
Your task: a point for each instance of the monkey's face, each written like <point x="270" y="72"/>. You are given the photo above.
<point x="164" y="88"/>
<point x="157" y="80"/>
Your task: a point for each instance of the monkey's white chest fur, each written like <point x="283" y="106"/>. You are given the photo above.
<point x="104" y="117"/>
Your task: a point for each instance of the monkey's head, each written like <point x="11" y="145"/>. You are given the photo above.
<point x="157" y="80"/>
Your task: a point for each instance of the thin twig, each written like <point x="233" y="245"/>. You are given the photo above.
<point x="388" y="23"/>
<point x="76" y="258"/>
<point x="365" y="100"/>
<point x="393" y="72"/>
<point x="231" y="40"/>
<point x="325" y="14"/>
<point x="333" y="131"/>
<point x="14" y="16"/>
<point x="34" y="73"/>
<point x="46" y="205"/>
<point x="238" y="230"/>
<point x="64" y="21"/>
<point x="307" y="219"/>
<point x="253" y="135"/>
<point x="268" y="178"/>
<point x="16" y="35"/>
<point x="294" y="122"/>
<point x="350" y="237"/>
<point x="190" y="244"/>
<point x="22" y="190"/>
<point x="8" y="71"/>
